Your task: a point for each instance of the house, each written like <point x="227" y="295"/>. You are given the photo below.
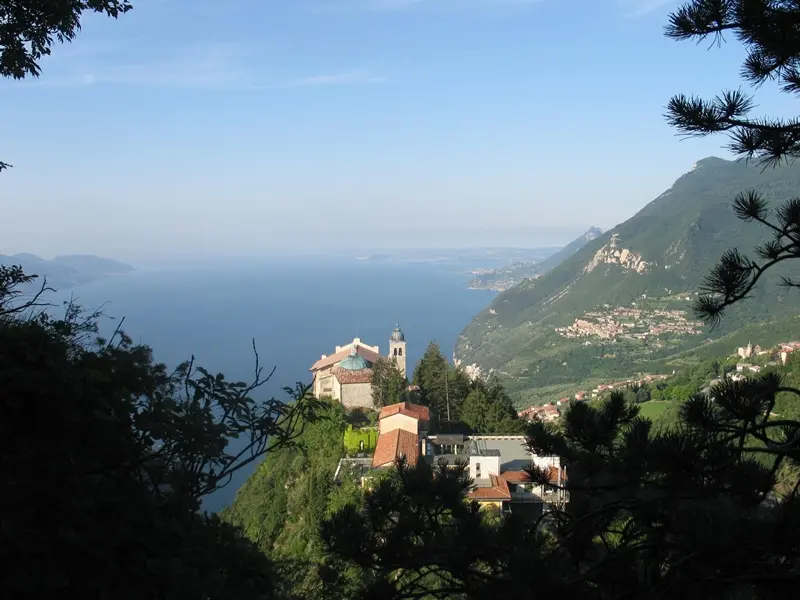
<point x="346" y="375"/>
<point x="547" y="413"/>
<point x="397" y="443"/>
<point x="498" y="467"/>
<point x="399" y="429"/>
<point x="498" y="464"/>
<point x="405" y="415"/>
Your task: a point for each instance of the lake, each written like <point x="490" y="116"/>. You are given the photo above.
<point x="296" y="309"/>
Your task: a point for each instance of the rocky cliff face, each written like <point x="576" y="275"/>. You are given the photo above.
<point x="612" y="254"/>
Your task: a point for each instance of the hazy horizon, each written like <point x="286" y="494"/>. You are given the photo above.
<point x="513" y="238"/>
<point x="203" y="128"/>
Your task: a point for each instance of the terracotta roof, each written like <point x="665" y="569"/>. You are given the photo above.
<point x="344" y="376"/>
<point x="331" y="360"/>
<point x="552" y="474"/>
<point x="416" y="411"/>
<point x="523" y="476"/>
<point x="393" y="444"/>
<point x="516" y="476"/>
<point x="498" y="490"/>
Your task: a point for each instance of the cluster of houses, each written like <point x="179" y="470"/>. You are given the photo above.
<point x="498" y="465"/>
<point x="551" y="412"/>
<point x="630" y="323"/>
<point x="778" y="355"/>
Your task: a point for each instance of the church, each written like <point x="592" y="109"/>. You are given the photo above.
<point x="346" y="374"/>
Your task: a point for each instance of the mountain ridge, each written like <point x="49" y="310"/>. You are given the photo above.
<point x="621" y="303"/>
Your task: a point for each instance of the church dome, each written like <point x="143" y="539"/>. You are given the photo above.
<point x="397" y="335"/>
<point x="354" y="362"/>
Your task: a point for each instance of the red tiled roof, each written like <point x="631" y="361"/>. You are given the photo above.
<point x="516" y="476"/>
<point x="498" y="490"/>
<point x="344" y="376"/>
<point x="393" y="444"/>
<point x="416" y="411"/>
<point x="552" y="474"/>
<point x="331" y="360"/>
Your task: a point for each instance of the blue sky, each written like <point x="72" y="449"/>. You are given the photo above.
<point x="237" y="128"/>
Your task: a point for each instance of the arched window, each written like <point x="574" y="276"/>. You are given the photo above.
<point x="400" y="352"/>
<point x="395" y="351"/>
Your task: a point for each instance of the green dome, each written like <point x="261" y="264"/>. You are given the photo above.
<point x="354" y="362"/>
<point x="397" y="335"/>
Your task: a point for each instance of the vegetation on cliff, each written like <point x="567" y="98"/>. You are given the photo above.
<point x="707" y="507"/>
<point x="107" y="455"/>
<point x="678" y="238"/>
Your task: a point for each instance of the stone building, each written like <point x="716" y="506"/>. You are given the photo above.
<point x="346" y="374"/>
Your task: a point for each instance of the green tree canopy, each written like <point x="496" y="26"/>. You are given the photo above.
<point x="388" y="383"/>
<point x="106" y="456"/>
<point x="704" y="507"/>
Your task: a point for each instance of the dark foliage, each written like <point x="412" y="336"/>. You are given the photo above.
<point x="106" y="456"/>
<point x="705" y="507"/>
<point x="768" y="29"/>
<point x="30" y="28"/>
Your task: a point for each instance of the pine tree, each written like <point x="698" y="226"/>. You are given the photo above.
<point x="768" y="29"/>
<point x="705" y="508"/>
<point x="433" y="377"/>
<point x="388" y="383"/>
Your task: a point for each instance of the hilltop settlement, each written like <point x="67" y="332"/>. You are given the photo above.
<point x="500" y="465"/>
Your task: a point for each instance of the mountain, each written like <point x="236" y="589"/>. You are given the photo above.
<point x="556" y="259"/>
<point x="620" y="305"/>
<point x="505" y="277"/>
<point x="69" y="270"/>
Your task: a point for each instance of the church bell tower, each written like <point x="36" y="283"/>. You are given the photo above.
<point x="397" y="349"/>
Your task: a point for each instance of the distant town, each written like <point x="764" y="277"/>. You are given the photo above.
<point x="630" y="323"/>
<point x="758" y="359"/>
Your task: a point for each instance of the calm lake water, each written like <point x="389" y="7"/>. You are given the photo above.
<point x="295" y="309"/>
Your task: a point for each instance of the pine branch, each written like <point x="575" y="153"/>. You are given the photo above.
<point x="736" y="275"/>
<point x="768" y="29"/>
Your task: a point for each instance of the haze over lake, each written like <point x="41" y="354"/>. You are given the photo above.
<point x="296" y="309"/>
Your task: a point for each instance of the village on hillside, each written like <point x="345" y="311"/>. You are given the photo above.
<point x="405" y="431"/>
<point x="632" y="323"/>
<point x="757" y="359"/>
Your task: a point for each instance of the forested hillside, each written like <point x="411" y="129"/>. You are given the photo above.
<point x="621" y="304"/>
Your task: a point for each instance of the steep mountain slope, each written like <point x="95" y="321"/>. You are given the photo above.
<point x="620" y="304"/>
<point x="504" y="278"/>
<point x="556" y="259"/>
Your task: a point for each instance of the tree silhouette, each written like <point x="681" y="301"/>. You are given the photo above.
<point x="768" y="31"/>
<point x="30" y="28"/>
<point x="106" y="456"/>
<point x="703" y="508"/>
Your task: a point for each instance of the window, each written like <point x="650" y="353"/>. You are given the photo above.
<point x="395" y="351"/>
<point x="477" y="470"/>
<point x="400" y="352"/>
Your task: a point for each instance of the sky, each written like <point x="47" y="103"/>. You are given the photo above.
<point x="191" y="128"/>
